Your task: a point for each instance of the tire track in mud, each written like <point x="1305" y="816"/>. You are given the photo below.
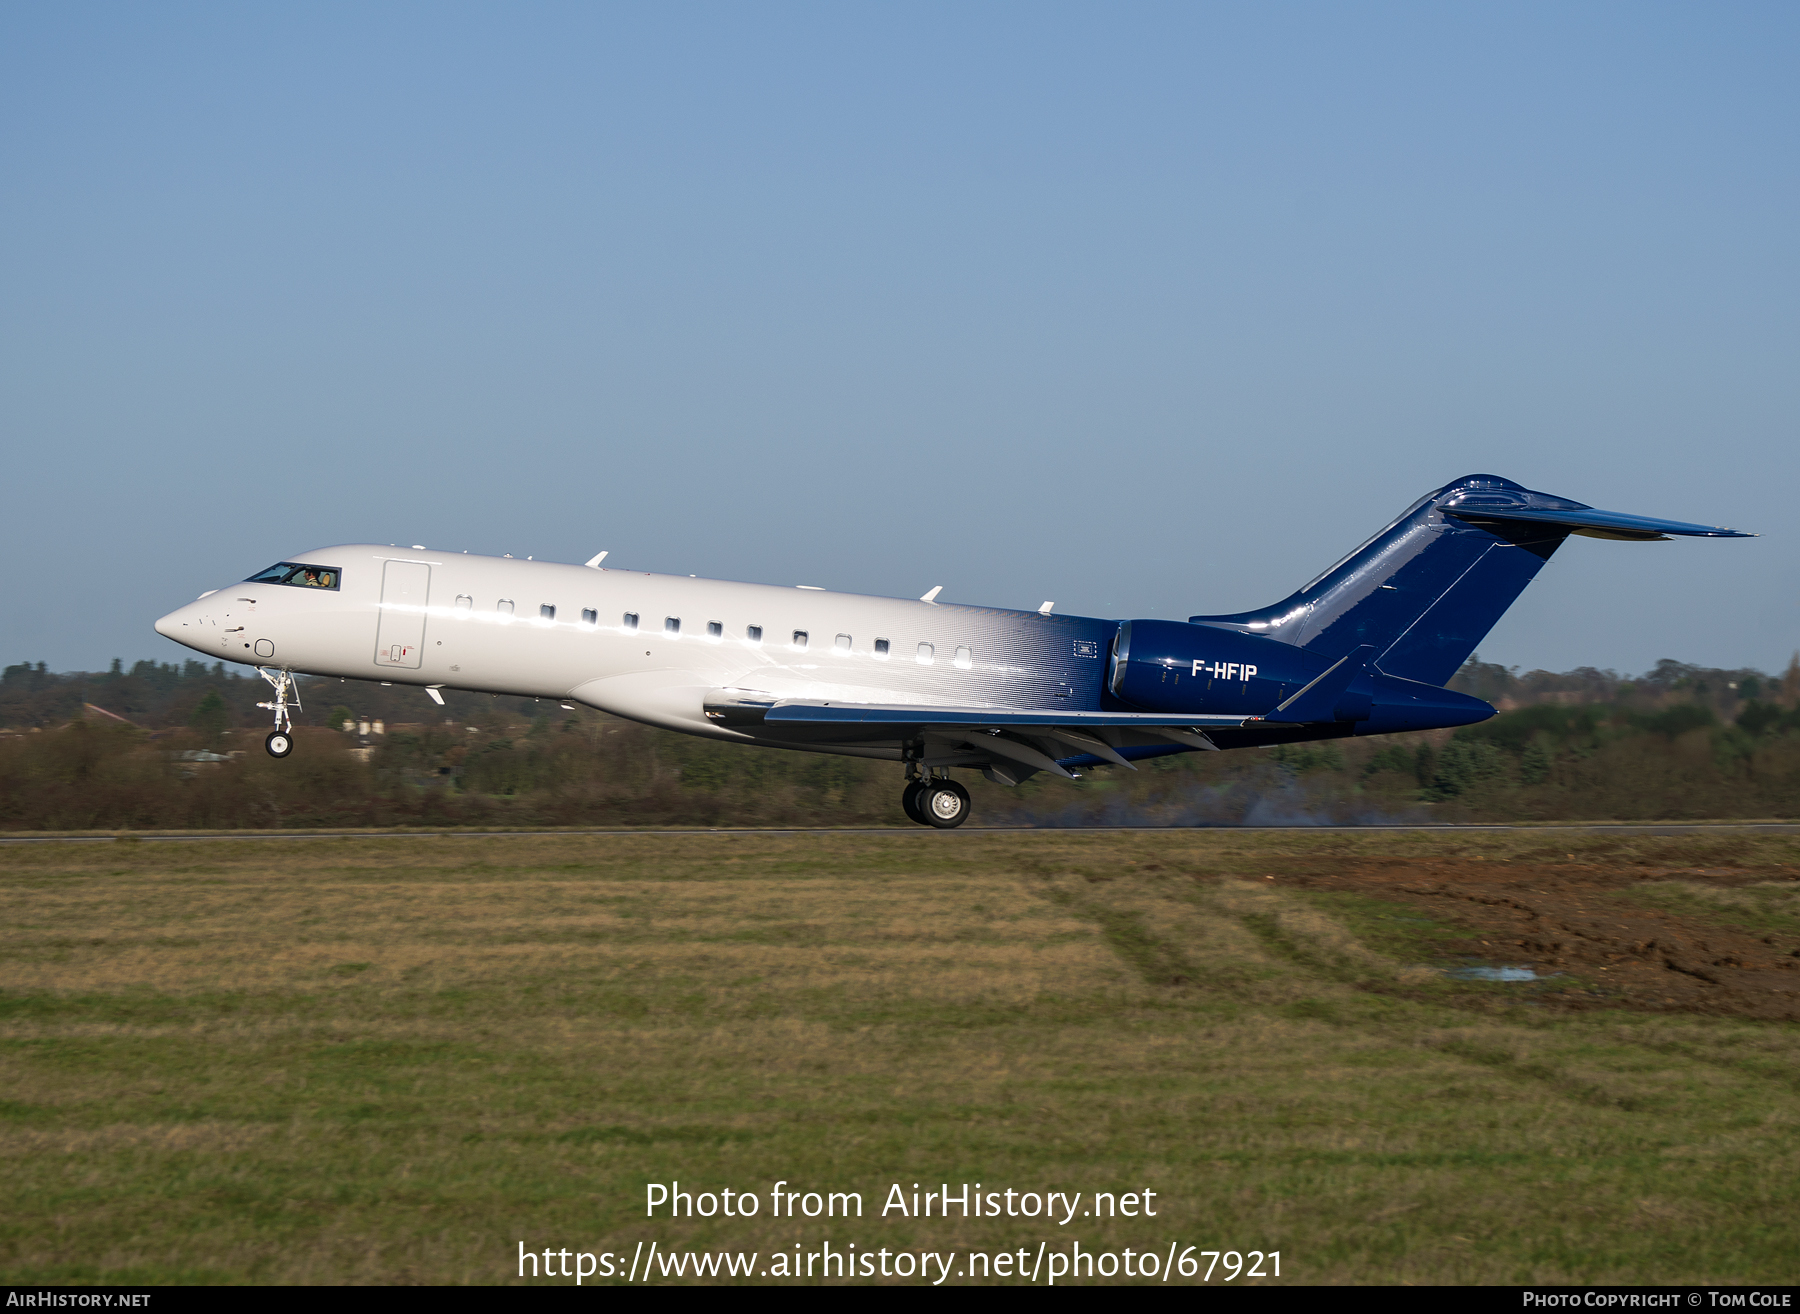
<point x="1571" y="919"/>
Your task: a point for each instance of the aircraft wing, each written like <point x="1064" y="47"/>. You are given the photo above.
<point x="1031" y="739"/>
<point x="796" y="710"/>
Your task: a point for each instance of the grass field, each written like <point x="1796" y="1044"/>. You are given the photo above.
<point x="395" y="1060"/>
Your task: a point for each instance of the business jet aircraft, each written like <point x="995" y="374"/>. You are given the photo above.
<point x="1363" y="649"/>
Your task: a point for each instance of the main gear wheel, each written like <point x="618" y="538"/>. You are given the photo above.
<point x="909" y="802"/>
<point x="944" y="803"/>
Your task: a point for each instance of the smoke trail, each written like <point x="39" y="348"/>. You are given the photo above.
<point x="1262" y="796"/>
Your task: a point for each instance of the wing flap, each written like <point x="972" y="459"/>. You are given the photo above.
<point x="989" y="742"/>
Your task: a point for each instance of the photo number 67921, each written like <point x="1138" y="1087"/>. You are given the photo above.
<point x="1235" y="1264"/>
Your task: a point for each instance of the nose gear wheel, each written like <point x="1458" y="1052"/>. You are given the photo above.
<point x="281" y="741"/>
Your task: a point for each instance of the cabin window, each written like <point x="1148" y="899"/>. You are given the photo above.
<point x="842" y="644"/>
<point x="504" y="606"/>
<point x="671" y="625"/>
<point x="881" y="649"/>
<point x="714" y="630"/>
<point x="963" y="660"/>
<point x="800" y="640"/>
<point x="753" y="633"/>
<point x="464" y="602"/>
<point x="630" y="621"/>
<point x="589" y="616"/>
<point x="298" y="575"/>
<point x="926" y="654"/>
<point x="547" y="612"/>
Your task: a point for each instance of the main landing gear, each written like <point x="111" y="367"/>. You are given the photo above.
<point x="281" y="739"/>
<point x="933" y="800"/>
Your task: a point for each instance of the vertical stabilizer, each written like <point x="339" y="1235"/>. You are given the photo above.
<point x="1426" y="590"/>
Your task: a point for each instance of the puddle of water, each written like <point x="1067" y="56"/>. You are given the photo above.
<point x="1492" y="974"/>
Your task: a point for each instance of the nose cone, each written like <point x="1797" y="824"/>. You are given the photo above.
<point x="183" y="626"/>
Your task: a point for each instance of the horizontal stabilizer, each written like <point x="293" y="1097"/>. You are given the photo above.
<point x="1593" y="524"/>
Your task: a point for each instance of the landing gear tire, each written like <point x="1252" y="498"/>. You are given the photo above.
<point x="944" y="803"/>
<point x="281" y="739"/>
<point x="909" y="802"/>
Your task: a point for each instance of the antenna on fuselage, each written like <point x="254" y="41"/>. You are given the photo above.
<point x="595" y="563"/>
<point x="932" y="596"/>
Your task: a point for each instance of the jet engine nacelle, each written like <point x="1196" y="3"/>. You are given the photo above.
<point x="1172" y="666"/>
<point x="1177" y="666"/>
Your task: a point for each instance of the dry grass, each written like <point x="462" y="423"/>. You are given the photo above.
<point x="394" y="1060"/>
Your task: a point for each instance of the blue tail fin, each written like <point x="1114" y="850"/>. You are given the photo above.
<point x="1425" y="590"/>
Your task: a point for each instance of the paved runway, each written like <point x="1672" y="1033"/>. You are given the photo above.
<point x="1608" y="828"/>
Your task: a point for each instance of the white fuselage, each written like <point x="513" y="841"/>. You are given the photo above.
<point x="549" y="630"/>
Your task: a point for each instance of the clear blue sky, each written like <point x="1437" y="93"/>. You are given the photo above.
<point x="1148" y="309"/>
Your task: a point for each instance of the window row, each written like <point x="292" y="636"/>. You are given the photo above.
<point x="925" y="654"/>
<point x="801" y="640"/>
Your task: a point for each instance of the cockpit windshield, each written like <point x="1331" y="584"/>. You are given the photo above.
<point x="301" y="577"/>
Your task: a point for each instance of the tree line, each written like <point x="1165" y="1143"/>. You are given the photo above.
<point x="161" y="746"/>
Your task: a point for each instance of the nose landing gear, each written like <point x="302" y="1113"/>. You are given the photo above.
<point x="280" y="741"/>
<point x="934" y="800"/>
